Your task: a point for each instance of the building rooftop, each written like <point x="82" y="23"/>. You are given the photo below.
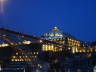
<point x="56" y="33"/>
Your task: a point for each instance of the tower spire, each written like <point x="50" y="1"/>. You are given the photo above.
<point x="55" y="28"/>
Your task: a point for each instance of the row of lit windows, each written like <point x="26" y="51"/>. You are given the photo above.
<point x="73" y="44"/>
<point x="76" y="50"/>
<point x="58" y="39"/>
<point x="52" y="34"/>
<point x="62" y="42"/>
<point x="24" y="42"/>
<point x="75" y="41"/>
<point x="14" y="57"/>
<point x="70" y="41"/>
<point x="29" y="53"/>
<point x="20" y="60"/>
<point x="19" y="56"/>
<point x="4" y="45"/>
<point x="50" y="47"/>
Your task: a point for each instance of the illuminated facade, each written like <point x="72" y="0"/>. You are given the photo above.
<point x="21" y="57"/>
<point x="55" y="43"/>
<point x="67" y="41"/>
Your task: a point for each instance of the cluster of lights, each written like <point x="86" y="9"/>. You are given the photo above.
<point x="48" y="47"/>
<point x="40" y="66"/>
<point x="60" y="40"/>
<point x="53" y="48"/>
<point x="35" y="53"/>
<point x="26" y="42"/>
<point x="73" y="42"/>
<point x="24" y="58"/>
<point x="77" y="50"/>
<point x="4" y="45"/>
<point x="20" y="58"/>
<point x="57" y="35"/>
<point x="80" y="50"/>
<point x="40" y="41"/>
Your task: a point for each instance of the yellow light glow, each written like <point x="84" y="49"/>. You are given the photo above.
<point x="12" y="60"/>
<point x="4" y="45"/>
<point x="14" y="56"/>
<point x="26" y="42"/>
<point x="49" y="47"/>
<point x="73" y="50"/>
<point x="16" y="53"/>
<point x="40" y="41"/>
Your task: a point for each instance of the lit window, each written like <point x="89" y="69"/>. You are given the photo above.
<point x="12" y="60"/>
<point x="16" y="53"/>
<point x="40" y="41"/>
<point x="4" y="45"/>
<point x="16" y="59"/>
<point x="52" y="34"/>
<point x="0" y="45"/>
<point x="19" y="56"/>
<point x="14" y="56"/>
<point x="26" y="42"/>
<point x="56" y="34"/>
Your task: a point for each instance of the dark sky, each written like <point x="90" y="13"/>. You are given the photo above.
<point x="34" y="17"/>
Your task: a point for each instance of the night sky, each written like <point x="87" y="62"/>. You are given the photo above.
<point x="35" y="17"/>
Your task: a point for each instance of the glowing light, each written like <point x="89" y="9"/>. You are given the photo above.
<point x="26" y="42"/>
<point x="0" y="68"/>
<point x="2" y="2"/>
<point x="56" y="28"/>
<point x="40" y="41"/>
<point x="94" y="69"/>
